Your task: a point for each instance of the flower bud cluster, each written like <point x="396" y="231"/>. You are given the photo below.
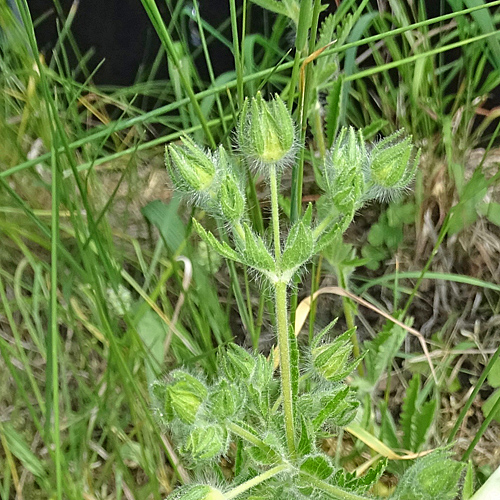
<point x="354" y="172"/>
<point x="198" y="413"/>
<point x="210" y="179"/>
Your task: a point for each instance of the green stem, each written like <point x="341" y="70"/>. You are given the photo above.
<point x="247" y="436"/>
<point x="255" y="481"/>
<point x="487" y="421"/>
<point x="285" y="367"/>
<point x="275" y="215"/>
<point x="236" y="52"/>
<point x="472" y="397"/>
<point x="281" y="312"/>
<point x="323" y="225"/>
<point x="334" y="491"/>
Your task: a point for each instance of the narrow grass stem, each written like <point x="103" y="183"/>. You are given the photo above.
<point x="285" y="367"/>
<point x="255" y="481"/>
<point x="236" y="52"/>
<point x="472" y="397"/>
<point x="349" y="317"/>
<point x="54" y="325"/>
<point x="487" y="421"/>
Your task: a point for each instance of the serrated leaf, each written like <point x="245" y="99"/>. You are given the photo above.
<point x="318" y="466"/>
<point x="424" y="419"/>
<point x="332" y="405"/>
<point x="299" y="246"/>
<point x="256" y="253"/>
<point x="388" y="432"/>
<point x="307" y="437"/>
<point x="222" y="248"/>
<point x="416" y="419"/>
<point x="327" y="239"/>
<point x="324" y="332"/>
<point x="409" y="410"/>
<point x="351" y="482"/>
<point x="381" y="351"/>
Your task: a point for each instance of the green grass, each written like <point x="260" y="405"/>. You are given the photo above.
<point x="75" y="364"/>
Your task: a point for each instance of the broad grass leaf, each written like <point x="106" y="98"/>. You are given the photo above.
<point x="165" y="218"/>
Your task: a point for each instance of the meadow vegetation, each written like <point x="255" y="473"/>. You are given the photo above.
<point x="276" y="282"/>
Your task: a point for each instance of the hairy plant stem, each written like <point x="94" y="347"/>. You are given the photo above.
<point x="285" y="368"/>
<point x="247" y="435"/>
<point x="281" y="312"/>
<point x="273" y="181"/>
<point x="255" y="481"/>
<point x="333" y="491"/>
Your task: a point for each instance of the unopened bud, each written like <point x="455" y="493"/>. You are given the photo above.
<point x="266" y="133"/>
<point x="183" y="397"/>
<point x="343" y="170"/>
<point x="393" y="162"/>
<point x="191" y="168"/>
<point x="231" y="199"/>
<point x="236" y="363"/>
<point x="331" y="360"/>
<point x="225" y="400"/>
<point x="197" y="492"/>
<point x="205" y="443"/>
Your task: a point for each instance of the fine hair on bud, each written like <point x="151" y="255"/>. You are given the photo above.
<point x="266" y="135"/>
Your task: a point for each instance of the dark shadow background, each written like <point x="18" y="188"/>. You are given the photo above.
<point x="120" y="33"/>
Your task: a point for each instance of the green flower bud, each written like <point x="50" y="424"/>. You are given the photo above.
<point x="231" y="199"/>
<point x="236" y="363"/>
<point x="393" y="162"/>
<point x="225" y="400"/>
<point x="205" y="442"/>
<point x="183" y="397"/>
<point x="331" y="360"/>
<point x="196" y="492"/>
<point x="192" y="169"/>
<point x="266" y="133"/>
<point x="343" y="170"/>
<point x="433" y="477"/>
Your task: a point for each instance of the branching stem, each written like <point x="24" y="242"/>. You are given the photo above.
<point x="255" y="481"/>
